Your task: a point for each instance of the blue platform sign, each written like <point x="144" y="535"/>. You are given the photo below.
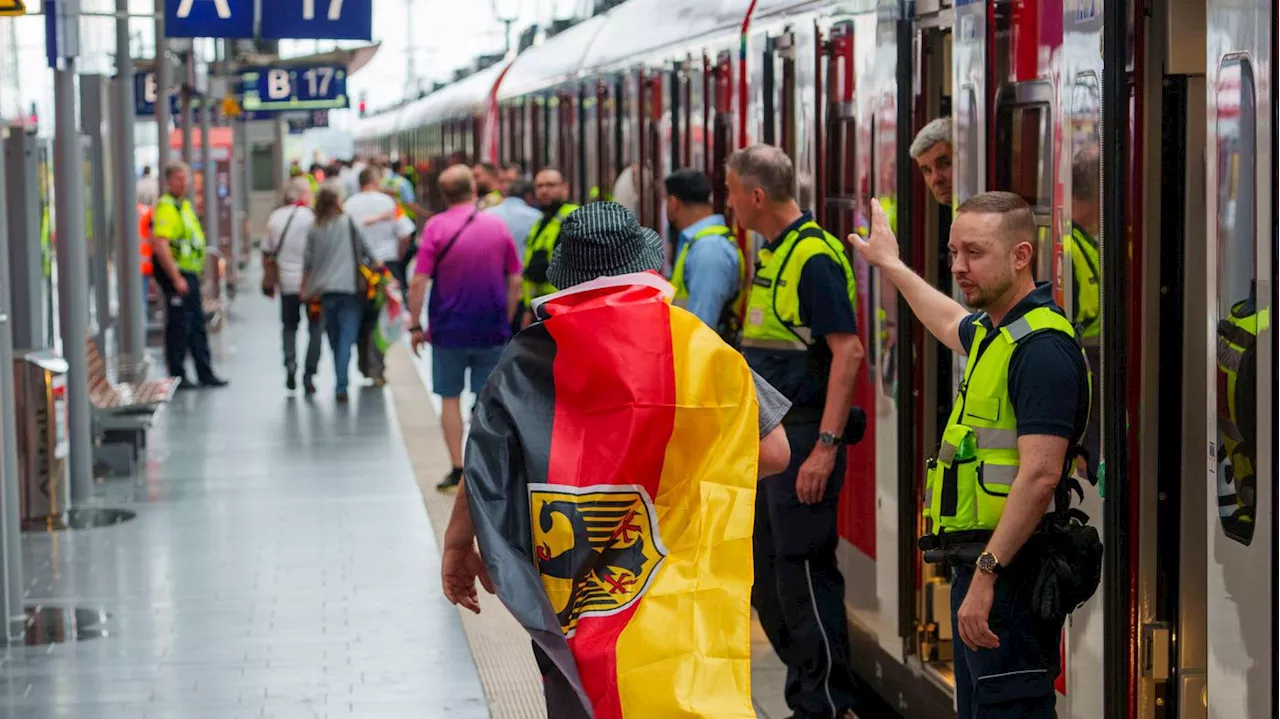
<point x="284" y="89"/>
<point x="317" y="20"/>
<point x="210" y="18"/>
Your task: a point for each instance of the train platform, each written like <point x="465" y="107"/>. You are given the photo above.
<point x="281" y="560"/>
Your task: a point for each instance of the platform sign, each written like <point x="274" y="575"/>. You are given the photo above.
<point x="282" y="89"/>
<point x="145" y="94"/>
<point x="209" y="18"/>
<point x="318" y="20"/>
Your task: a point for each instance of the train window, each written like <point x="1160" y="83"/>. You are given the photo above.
<point x="1238" y="325"/>
<point x="1080" y="250"/>
<point x="1024" y="142"/>
<point x="967" y="150"/>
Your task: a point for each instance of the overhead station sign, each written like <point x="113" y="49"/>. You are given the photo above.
<point x="284" y="89"/>
<point x="268" y="19"/>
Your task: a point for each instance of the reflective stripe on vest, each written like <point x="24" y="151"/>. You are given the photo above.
<point x="977" y="459"/>
<point x="1085" y="282"/>
<point x="181" y="227"/>
<point x="677" y="273"/>
<point x="773" y="306"/>
<point x="542" y="239"/>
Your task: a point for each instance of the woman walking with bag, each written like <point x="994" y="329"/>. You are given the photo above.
<point x="282" y="267"/>
<point x="336" y="250"/>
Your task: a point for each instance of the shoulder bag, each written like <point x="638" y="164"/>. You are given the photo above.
<point x="358" y="257"/>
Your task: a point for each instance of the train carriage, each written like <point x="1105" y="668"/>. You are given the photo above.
<point x="1098" y="113"/>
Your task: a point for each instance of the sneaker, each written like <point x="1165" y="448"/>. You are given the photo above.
<point x="291" y="383"/>
<point x="309" y="385"/>
<point x="451" y="480"/>
<point x="379" y="381"/>
<point x="341" y="398"/>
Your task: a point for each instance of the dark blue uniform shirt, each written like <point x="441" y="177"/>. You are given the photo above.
<point x="1048" y="379"/>
<point x="825" y="308"/>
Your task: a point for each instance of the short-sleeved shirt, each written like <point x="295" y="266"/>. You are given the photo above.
<point x="773" y="406"/>
<point x="468" y="306"/>
<point x="825" y="308"/>
<point x="1043" y="371"/>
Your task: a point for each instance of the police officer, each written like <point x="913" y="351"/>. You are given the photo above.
<point x="709" y="268"/>
<point x="801" y="336"/>
<point x="1019" y="415"/>
<point x="552" y="193"/>
<point x="178" y="249"/>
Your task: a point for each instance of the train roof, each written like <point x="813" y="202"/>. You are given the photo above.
<point x="625" y="35"/>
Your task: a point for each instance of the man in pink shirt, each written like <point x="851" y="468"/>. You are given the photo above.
<point x="469" y="260"/>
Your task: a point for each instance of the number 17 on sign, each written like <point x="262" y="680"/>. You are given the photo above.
<point x="309" y="9"/>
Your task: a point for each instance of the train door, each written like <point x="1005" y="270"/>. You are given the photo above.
<point x="932" y="99"/>
<point x="655" y="87"/>
<point x="569" y="144"/>
<point x="778" y="96"/>
<point x="1239" y="476"/>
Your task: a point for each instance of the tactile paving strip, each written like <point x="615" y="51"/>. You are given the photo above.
<point x="500" y="646"/>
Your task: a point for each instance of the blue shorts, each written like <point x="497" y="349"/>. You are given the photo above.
<point x="450" y="364"/>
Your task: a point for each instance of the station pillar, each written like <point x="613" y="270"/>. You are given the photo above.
<point x="132" y="336"/>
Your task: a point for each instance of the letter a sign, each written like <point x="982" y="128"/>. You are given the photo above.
<point x="207" y="18"/>
<point x="12" y="7"/>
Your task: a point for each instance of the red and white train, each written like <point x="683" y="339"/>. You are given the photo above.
<point x="1174" y="94"/>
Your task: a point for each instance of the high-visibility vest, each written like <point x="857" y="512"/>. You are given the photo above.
<point x="46" y="244"/>
<point x="393" y="184"/>
<point x="677" y="274"/>
<point x="1237" y="414"/>
<point x="144" y="237"/>
<point x="179" y="224"/>
<point x="1085" y="282"/>
<point x="540" y="245"/>
<point x="773" y="306"/>
<point x="493" y="199"/>
<point x="968" y="482"/>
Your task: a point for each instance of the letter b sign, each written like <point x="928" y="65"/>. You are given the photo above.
<point x="278" y="85"/>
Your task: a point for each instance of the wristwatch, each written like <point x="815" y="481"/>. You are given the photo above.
<point x="828" y="439"/>
<point x="415" y="329"/>
<point x="988" y="564"/>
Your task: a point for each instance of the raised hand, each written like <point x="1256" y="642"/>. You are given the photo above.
<point x="881" y="247"/>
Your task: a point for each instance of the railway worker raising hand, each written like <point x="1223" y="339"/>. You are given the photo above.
<point x="1022" y="407"/>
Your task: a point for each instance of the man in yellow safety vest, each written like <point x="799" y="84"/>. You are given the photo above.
<point x="709" y="269"/>
<point x="178" y="248"/>
<point x="552" y="193"/>
<point x="1005" y="456"/>
<point x="801" y="336"/>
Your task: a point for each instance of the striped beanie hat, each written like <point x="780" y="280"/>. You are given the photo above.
<point x="603" y="239"/>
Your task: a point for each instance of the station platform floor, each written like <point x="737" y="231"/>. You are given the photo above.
<point x="282" y="561"/>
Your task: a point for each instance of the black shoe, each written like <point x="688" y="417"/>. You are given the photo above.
<point x="291" y="383"/>
<point x="341" y="398"/>
<point x="309" y="385"/>
<point x="214" y="382"/>
<point x="451" y="480"/>
<point x="184" y="383"/>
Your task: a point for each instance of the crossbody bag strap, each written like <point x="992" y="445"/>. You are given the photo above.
<point x="284" y="235"/>
<point x="444" y="251"/>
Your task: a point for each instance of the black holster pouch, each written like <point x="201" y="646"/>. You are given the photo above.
<point x="1070" y="553"/>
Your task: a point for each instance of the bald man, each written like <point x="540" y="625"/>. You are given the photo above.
<point x="469" y="260"/>
<point x="552" y="193"/>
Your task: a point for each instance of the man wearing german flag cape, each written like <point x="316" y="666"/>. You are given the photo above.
<point x="610" y="482"/>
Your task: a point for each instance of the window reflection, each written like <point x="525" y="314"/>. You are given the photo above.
<point x="1238" y="315"/>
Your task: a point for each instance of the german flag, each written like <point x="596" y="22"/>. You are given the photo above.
<point x="611" y="473"/>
